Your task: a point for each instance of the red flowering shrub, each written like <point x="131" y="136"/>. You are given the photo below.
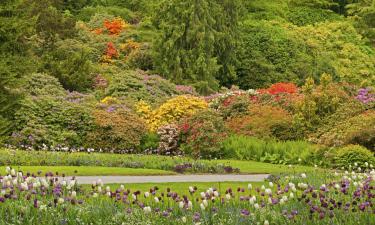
<point x="280" y="88"/>
<point x="202" y="134"/>
<point x="111" y="51"/>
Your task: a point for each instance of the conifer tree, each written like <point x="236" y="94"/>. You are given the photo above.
<point x="197" y="42"/>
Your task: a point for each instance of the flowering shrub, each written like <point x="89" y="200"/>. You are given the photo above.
<point x="202" y="134"/>
<point x="317" y="103"/>
<point x="138" y="85"/>
<point x="111" y="51"/>
<point x="168" y="144"/>
<point x="116" y="128"/>
<point x="171" y="111"/>
<point x="365" y="95"/>
<point x="260" y="121"/>
<point x="115" y="26"/>
<point x="130" y="46"/>
<point x="280" y="88"/>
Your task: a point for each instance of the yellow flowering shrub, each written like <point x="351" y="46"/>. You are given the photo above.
<point x="171" y="111"/>
<point x="109" y="100"/>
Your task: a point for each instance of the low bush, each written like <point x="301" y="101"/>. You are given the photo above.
<point x="202" y="134"/>
<point x="278" y="152"/>
<point x="116" y="129"/>
<point x="353" y="156"/>
<point x="350" y="125"/>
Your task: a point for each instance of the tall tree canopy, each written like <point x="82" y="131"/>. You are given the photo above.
<point x="15" y="59"/>
<point x="197" y="42"/>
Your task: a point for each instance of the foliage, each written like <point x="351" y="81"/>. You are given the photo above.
<point x="353" y="154"/>
<point x="202" y="134"/>
<point x="362" y="12"/>
<point x="277" y="152"/>
<point x="116" y="129"/>
<point x="352" y="61"/>
<point x="171" y="111"/>
<point x="268" y="54"/>
<point x="71" y="61"/>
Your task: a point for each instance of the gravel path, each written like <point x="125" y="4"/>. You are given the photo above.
<point x="168" y="179"/>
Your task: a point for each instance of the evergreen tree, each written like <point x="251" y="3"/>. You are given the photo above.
<point x="197" y="42"/>
<point x="14" y="58"/>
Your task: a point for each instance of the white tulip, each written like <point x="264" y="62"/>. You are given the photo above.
<point x="60" y="200"/>
<point x="147" y="209"/>
<point x="227" y="196"/>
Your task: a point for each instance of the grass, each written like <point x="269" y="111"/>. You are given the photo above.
<point x="183" y="188"/>
<point x="90" y="170"/>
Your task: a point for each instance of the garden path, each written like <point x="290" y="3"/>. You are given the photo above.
<point x="169" y="179"/>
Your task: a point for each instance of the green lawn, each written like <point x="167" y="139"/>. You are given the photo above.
<point x="252" y="167"/>
<point x="183" y="188"/>
<point x="89" y="170"/>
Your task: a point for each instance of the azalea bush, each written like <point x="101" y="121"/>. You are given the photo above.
<point x="202" y="134"/>
<point x="170" y="111"/>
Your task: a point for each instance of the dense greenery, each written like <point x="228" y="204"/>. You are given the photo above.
<point x="128" y="77"/>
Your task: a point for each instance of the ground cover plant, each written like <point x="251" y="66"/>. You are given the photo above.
<point x="312" y="198"/>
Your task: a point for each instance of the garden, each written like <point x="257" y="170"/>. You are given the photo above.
<point x="92" y="89"/>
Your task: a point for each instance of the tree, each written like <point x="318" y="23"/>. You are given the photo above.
<point x="197" y="42"/>
<point x="15" y="61"/>
<point x="363" y="13"/>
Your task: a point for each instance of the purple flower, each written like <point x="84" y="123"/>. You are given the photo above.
<point x="245" y="212"/>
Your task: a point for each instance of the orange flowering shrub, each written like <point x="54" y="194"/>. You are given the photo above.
<point x="261" y="121"/>
<point x="116" y="26"/>
<point x="280" y="88"/>
<point x="116" y="128"/>
<point x="130" y="46"/>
